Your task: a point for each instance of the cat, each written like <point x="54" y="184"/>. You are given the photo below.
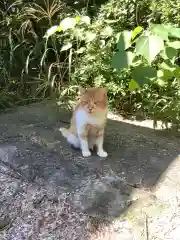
<point x="88" y="122"/>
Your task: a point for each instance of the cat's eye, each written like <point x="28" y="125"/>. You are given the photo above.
<point x="97" y="102"/>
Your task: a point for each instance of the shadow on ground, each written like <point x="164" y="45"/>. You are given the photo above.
<point x="33" y="155"/>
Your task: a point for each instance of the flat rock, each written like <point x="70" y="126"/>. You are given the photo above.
<point x="49" y="191"/>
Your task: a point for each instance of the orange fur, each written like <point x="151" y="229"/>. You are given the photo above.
<point x="88" y="121"/>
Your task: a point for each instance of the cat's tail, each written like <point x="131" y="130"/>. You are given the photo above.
<point x="72" y="139"/>
<point x="65" y="132"/>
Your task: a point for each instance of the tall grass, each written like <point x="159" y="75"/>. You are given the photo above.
<point x="30" y="67"/>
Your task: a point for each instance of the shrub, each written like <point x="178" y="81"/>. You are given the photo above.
<point x="157" y="99"/>
<point x="39" y="58"/>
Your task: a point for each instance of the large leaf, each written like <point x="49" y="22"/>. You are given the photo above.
<point x="66" y="46"/>
<point x="169" y="53"/>
<point x="164" y="74"/>
<point x="167" y="66"/>
<point x="175" y="32"/>
<point x="89" y="36"/>
<point x="124" y="40"/>
<point x="85" y="19"/>
<point x="81" y="50"/>
<point x="68" y="23"/>
<point x="177" y="72"/>
<point x="51" y="31"/>
<point x="107" y="31"/>
<point x="133" y="85"/>
<point x="122" y="59"/>
<point x="142" y="74"/>
<point x="160" y="30"/>
<point x="78" y="33"/>
<point x="174" y="44"/>
<point x="149" y="47"/>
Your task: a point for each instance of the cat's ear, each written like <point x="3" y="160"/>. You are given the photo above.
<point x="104" y="91"/>
<point x="82" y="90"/>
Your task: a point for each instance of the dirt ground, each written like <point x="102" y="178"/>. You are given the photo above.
<point x="49" y="191"/>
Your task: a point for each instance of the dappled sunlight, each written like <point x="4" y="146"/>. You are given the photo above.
<point x="48" y="50"/>
<point x="143" y="123"/>
<point x="115" y="196"/>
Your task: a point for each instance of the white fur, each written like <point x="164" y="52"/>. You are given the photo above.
<point x="83" y="118"/>
<point x="72" y="139"/>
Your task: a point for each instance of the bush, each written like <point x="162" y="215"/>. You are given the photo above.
<point x="34" y="67"/>
<point x="157" y="99"/>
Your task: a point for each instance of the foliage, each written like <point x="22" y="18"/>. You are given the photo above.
<point x="131" y="47"/>
<point x="23" y="24"/>
<point x="145" y="57"/>
<point x="152" y="44"/>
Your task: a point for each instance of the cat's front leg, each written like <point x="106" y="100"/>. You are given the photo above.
<point x="83" y="138"/>
<point x="99" y="144"/>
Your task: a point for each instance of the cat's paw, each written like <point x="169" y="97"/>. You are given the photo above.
<point x="86" y="153"/>
<point x="102" y="153"/>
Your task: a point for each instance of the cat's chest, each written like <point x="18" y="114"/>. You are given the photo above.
<point x="82" y="117"/>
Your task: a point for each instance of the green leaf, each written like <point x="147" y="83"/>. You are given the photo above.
<point x="142" y="74"/>
<point x="160" y="30"/>
<point x="175" y="32"/>
<point x="78" y="33"/>
<point x="136" y="31"/>
<point x="149" y="47"/>
<point x="124" y="40"/>
<point x="122" y="59"/>
<point x="160" y="73"/>
<point x="169" y="53"/>
<point x="66" y="46"/>
<point x="177" y="72"/>
<point x="85" y="19"/>
<point x="175" y="44"/>
<point x="137" y="60"/>
<point x="68" y="23"/>
<point x="167" y="66"/>
<point x="163" y="54"/>
<point x="81" y="50"/>
<point x="164" y="74"/>
<point x="133" y="85"/>
<point x="89" y="36"/>
<point x="51" y="31"/>
<point x="107" y="32"/>
<point x="161" y="82"/>
<point x="77" y="19"/>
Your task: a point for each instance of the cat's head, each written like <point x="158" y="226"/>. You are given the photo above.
<point x="94" y="99"/>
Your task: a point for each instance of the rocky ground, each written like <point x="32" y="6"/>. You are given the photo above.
<point x="49" y="191"/>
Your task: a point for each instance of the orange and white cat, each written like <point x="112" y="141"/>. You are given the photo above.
<point x="88" y="121"/>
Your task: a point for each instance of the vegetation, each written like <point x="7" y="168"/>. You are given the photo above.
<point x="132" y="47"/>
